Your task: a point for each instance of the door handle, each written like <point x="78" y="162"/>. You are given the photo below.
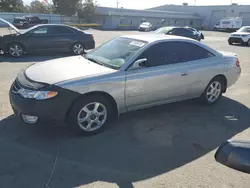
<point x="184" y="74"/>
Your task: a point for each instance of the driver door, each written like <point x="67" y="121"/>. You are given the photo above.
<point x="158" y="82"/>
<point x="38" y="39"/>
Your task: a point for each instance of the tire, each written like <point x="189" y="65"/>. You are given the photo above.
<point x="83" y="112"/>
<point x="230" y="43"/>
<point x="248" y="42"/>
<point x="15" y="50"/>
<point x="78" y="48"/>
<point x="218" y="83"/>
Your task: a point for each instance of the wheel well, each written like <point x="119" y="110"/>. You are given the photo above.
<point x="8" y="46"/>
<point x="224" y="79"/>
<point x="95" y="93"/>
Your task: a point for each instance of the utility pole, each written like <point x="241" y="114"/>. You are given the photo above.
<point x="117" y="4"/>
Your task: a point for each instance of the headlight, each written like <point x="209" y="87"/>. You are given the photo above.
<point x="38" y="95"/>
<point x="244" y="35"/>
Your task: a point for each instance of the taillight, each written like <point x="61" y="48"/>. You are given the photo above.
<point x="92" y="36"/>
<point x="238" y="63"/>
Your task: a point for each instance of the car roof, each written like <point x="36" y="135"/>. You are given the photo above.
<point x="156" y="37"/>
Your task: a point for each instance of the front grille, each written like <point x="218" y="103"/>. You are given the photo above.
<point x="15" y="87"/>
<point x="233" y="39"/>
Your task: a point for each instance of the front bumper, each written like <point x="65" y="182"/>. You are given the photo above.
<point x="52" y="110"/>
<point x="235" y="40"/>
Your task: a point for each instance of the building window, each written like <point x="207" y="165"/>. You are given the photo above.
<point x="191" y="22"/>
<point x="176" y="21"/>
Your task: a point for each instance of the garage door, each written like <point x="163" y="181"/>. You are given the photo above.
<point x="216" y="16"/>
<point x="246" y="18"/>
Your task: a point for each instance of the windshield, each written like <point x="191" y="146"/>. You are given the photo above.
<point x="163" y="30"/>
<point x="7" y="28"/>
<point x="145" y="24"/>
<point x="116" y="52"/>
<point x="245" y="29"/>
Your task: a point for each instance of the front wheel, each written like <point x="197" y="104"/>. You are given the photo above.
<point x="16" y="50"/>
<point x="90" y="115"/>
<point x="213" y="91"/>
<point x="248" y="42"/>
<point x="78" y="49"/>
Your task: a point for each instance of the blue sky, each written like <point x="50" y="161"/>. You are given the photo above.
<point x="142" y="4"/>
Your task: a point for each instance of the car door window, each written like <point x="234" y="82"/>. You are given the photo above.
<point x="40" y="31"/>
<point x="174" y="52"/>
<point x="59" y="30"/>
<point x="160" y="54"/>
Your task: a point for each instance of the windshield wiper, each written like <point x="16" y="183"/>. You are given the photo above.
<point x="94" y="60"/>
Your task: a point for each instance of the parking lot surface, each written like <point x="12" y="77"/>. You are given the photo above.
<point x="166" y="146"/>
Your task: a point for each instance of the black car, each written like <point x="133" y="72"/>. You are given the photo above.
<point x="179" y="31"/>
<point x="48" y="37"/>
<point x="196" y="30"/>
<point x="28" y="21"/>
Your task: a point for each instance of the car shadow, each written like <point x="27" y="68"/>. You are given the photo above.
<point x="33" y="58"/>
<point x="140" y="145"/>
<point x="240" y="45"/>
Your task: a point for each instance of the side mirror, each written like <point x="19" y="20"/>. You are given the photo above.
<point x="235" y="155"/>
<point x="140" y="63"/>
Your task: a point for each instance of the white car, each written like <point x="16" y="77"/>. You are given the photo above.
<point x="242" y="36"/>
<point x="145" y="26"/>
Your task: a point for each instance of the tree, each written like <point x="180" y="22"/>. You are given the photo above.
<point x="66" y="7"/>
<point x="39" y="7"/>
<point x="11" y="6"/>
<point x="86" y="10"/>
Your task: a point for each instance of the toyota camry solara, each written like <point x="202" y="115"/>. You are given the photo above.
<point x="124" y="74"/>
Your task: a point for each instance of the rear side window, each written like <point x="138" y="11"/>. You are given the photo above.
<point x="59" y="30"/>
<point x="191" y="52"/>
<point x="181" y="31"/>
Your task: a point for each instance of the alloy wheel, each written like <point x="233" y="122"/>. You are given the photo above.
<point x="16" y="50"/>
<point x="92" y="116"/>
<point x="213" y="91"/>
<point x="78" y="49"/>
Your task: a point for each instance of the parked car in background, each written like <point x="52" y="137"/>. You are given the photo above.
<point x="28" y="21"/>
<point x="195" y="30"/>
<point x="47" y="37"/>
<point x="229" y="24"/>
<point x="242" y="36"/>
<point x="145" y="26"/>
<point x="179" y="31"/>
<point x="124" y="74"/>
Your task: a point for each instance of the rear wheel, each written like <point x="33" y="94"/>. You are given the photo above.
<point x="213" y="91"/>
<point x="90" y="115"/>
<point x="78" y="48"/>
<point x="15" y="50"/>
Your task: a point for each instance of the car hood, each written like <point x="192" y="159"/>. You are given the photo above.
<point x="240" y="33"/>
<point x="59" y="70"/>
<point x="144" y="26"/>
<point x="12" y="26"/>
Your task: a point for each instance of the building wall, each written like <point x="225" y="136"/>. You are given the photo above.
<point x="112" y="18"/>
<point x="212" y="14"/>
